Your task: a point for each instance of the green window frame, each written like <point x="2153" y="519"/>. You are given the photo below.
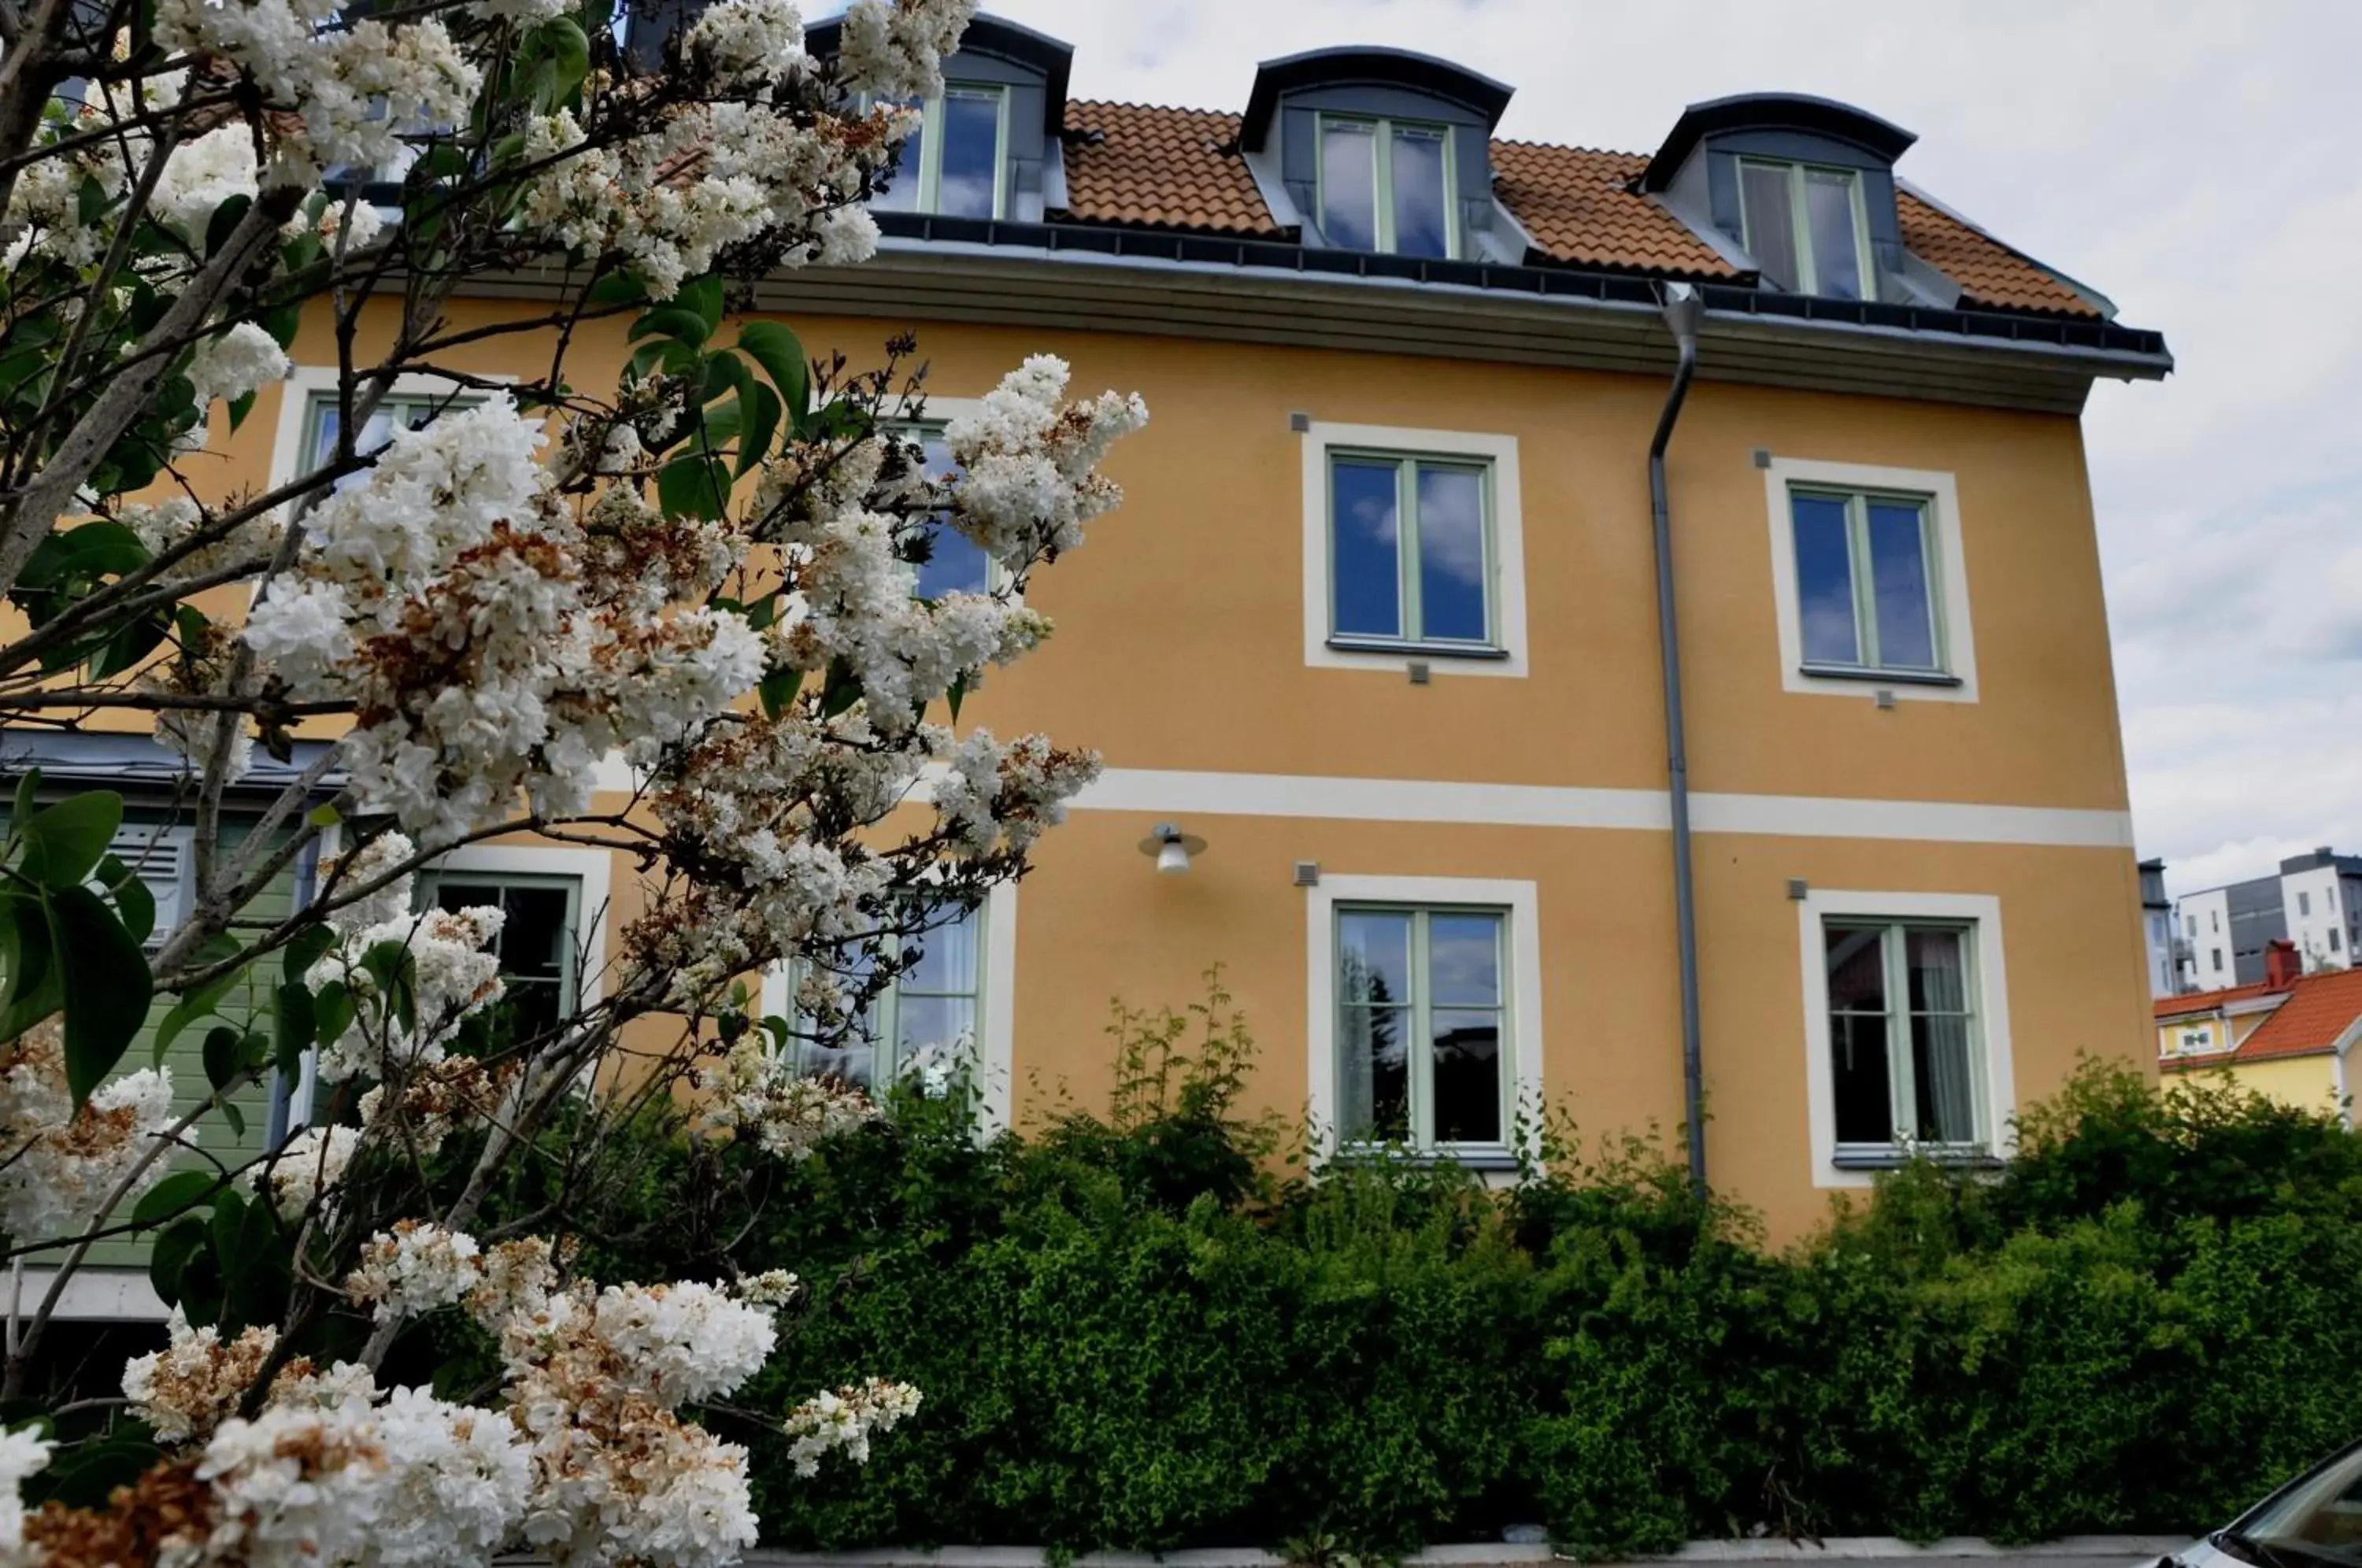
<point x="563" y="983"/>
<point x="1383" y="130"/>
<point x="1869" y="658"/>
<point x="909" y="993"/>
<point x="1797" y="239"/>
<point x="1912" y="1016"/>
<point x="1410" y="607"/>
<point x="1360" y="1000"/>
<point x="925" y="192"/>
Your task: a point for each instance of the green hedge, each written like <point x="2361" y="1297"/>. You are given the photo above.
<point x="1139" y="1331"/>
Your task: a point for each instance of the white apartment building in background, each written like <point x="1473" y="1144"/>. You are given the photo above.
<point x="2316" y="902"/>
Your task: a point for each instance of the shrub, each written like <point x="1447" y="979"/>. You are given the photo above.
<point x="1148" y="1330"/>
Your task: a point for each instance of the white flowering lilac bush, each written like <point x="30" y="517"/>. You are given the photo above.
<point x="673" y="619"/>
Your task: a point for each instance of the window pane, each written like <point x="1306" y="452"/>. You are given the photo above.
<point x="955" y="563"/>
<point x="1938" y="970"/>
<point x="1857" y="968"/>
<point x="901" y="195"/>
<point x="1837" y="256"/>
<point x="1373" y="1074"/>
<point x="533" y="947"/>
<point x="1467" y="1076"/>
<point x="1373" y="958"/>
<point x="1364" y="538"/>
<point x="1349" y="184"/>
<point x="1451" y="572"/>
<point x="938" y="1024"/>
<point x="1865" y="1104"/>
<point x="1825" y="580"/>
<point x="1463" y="960"/>
<point x="1940" y="1063"/>
<point x="970" y="173"/>
<point x="945" y="957"/>
<point x="1771" y="227"/>
<point x="1898" y="571"/>
<point x="1423" y="219"/>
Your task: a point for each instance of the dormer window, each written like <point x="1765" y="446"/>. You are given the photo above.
<point x="1386" y="186"/>
<point x="953" y="165"/>
<point x="1805" y="227"/>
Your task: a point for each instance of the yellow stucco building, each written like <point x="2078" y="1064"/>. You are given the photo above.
<point x="2287" y="1035"/>
<point x="1377" y="631"/>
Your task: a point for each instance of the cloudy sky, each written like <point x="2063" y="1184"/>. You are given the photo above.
<point x="2198" y="160"/>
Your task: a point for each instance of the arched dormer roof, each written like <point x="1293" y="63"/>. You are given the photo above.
<point x="1048" y="61"/>
<point x="1797" y="113"/>
<point x="1369" y="66"/>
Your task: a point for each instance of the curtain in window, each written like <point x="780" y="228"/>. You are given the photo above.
<point x="1940" y="1030"/>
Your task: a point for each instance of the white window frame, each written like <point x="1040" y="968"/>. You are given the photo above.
<point x="1319" y="441"/>
<point x="307" y="382"/>
<point x="1801" y="226"/>
<point x="1382" y="174"/>
<point x="1520" y="902"/>
<point x="997" y="1007"/>
<point x="1997" y="1080"/>
<point x="1939" y="491"/>
<point x="928" y="176"/>
<point x="939" y="413"/>
<point x="593" y="868"/>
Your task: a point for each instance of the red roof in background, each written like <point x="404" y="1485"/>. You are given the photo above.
<point x="1143" y="166"/>
<point x="2319" y="1009"/>
<point x="2207" y="1001"/>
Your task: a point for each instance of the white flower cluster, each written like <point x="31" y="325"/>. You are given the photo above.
<point x="895" y="50"/>
<point x="1029" y="462"/>
<point x="307" y="1169"/>
<point x="844" y="1420"/>
<point x="58" y="1166"/>
<point x="236" y="362"/>
<point x="995" y="797"/>
<point x="756" y="1093"/>
<point x="24" y="1453"/>
<point x="414" y="1268"/>
<point x="189" y="1387"/>
<point x="450" y="597"/>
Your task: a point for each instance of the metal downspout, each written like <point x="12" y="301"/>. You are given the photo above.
<point x="1684" y="307"/>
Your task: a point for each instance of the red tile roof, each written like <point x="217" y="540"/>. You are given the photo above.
<point x="1989" y="272"/>
<point x="2206" y="1001"/>
<point x="1580" y="207"/>
<point x="1129" y="164"/>
<point x="1142" y="166"/>
<point x="2319" y="1009"/>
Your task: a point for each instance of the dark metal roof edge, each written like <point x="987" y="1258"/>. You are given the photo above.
<point x="1369" y="62"/>
<point x="2137" y="348"/>
<point x="1799" y="111"/>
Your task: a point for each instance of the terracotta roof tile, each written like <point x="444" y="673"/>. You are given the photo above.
<point x="2320" y="1007"/>
<point x="1989" y="272"/>
<point x="1142" y="166"/>
<point x="1127" y="163"/>
<point x="1579" y="207"/>
<point x="2206" y="1001"/>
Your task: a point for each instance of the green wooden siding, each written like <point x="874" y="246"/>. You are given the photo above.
<point x="250" y="999"/>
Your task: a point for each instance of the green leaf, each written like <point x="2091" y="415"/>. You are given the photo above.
<point x="672" y="321"/>
<point x="323" y="815"/>
<point x="333" y="1010"/>
<point x="781" y="354"/>
<point x="106" y="986"/>
<point x="29" y="788"/>
<point x="35" y="988"/>
<point x="225" y="222"/>
<point x="702" y="295"/>
<point x="561" y="41"/>
<point x="63" y="843"/>
<point x="693" y="486"/>
<point x="957" y="694"/>
<point x="295" y="1023"/>
<point x="778" y="690"/>
<point x="239" y="408"/>
<point x="395" y="968"/>
<point x="133" y="901"/>
<point x="223" y="1055"/>
<point x="308" y="947"/>
<point x="762" y="424"/>
<point x="169" y="1260"/>
<point x="167" y="1198"/>
<point x="234" y="1116"/>
<point x="196" y="1004"/>
<point x="617" y="288"/>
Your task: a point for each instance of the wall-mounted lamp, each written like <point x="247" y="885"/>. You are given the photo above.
<point x="1173" y="848"/>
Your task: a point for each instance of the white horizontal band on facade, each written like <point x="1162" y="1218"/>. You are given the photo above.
<point x="1538" y="805"/>
<point x="1179" y="792"/>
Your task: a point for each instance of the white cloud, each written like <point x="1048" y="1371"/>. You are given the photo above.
<point x="2196" y="162"/>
